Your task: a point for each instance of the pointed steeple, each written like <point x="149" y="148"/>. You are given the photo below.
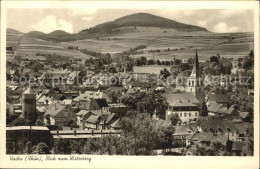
<point x="28" y="91"/>
<point x="195" y="70"/>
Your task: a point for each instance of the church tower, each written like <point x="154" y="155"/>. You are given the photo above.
<point x="195" y="82"/>
<point x="29" y="106"/>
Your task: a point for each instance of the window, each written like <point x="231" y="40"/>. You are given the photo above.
<point x="190" y="114"/>
<point x="180" y="114"/>
<point x="195" y="113"/>
<point x="184" y="114"/>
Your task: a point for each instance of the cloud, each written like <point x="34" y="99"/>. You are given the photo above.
<point x="223" y="28"/>
<point x="202" y="23"/>
<point x="82" y="11"/>
<point x="87" y="18"/>
<point x="50" y="23"/>
<point x="228" y="13"/>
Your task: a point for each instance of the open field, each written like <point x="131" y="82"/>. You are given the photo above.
<point x="30" y="46"/>
<point x="183" y="43"/>
<point x="150" y="69"/>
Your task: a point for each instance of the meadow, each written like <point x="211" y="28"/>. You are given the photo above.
<point x="181" y="44"/>
<point x="30" y="47"/>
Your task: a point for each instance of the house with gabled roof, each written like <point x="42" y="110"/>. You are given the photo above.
<point x="58" y="114"/>
<point x="218" y="98"/>
<point x="219" y="127"/>
<point x="185" y="105"/>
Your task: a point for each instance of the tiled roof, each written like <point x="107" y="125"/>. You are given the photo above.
<point x="182" y="130"/>
<point x="215" y="124"/>
<point x="225" y="110"/>
<point x="82" y="112"/>
<point x="183" y="97"/>
<point x="92" y="119"/>
<point x="238" y="145"/>
<point x="58" y="97"/>
<point x="101" y="102"/>
<point x="183" y="104"/>
<point x="109" y="118"/>
<point x="15" y="121"/>
<point x="92" y="95"/>
<point x="116" y="124"/>
<point x="219" y="98"/>
<point x="54" y="109"/>
<point x="241" y="127"/>
<point x="243" y="114"/>
<point x="208" y="136"/>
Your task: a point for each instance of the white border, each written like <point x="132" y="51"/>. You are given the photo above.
<point x="134" y="161"/>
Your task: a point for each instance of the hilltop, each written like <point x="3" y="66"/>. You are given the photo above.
<point x="145" y="20"/>
<point x="116" y="28"/>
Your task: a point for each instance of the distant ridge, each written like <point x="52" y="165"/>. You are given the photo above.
<point x="13" y="31"/>
<point x="147" y="20"/>
<point x="111" y="28"/>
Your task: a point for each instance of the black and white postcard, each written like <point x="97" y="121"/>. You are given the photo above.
<point x="130" y="84"/>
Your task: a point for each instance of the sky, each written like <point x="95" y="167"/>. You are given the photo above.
<point x="77" y="19"/>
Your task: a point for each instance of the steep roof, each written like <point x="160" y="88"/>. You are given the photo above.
<point x="54" y="109"/>
<point x="101" y="102"/>
<point x="116" y="124"/>
<point x="92" y="119"/>
<point x="172" y="98"/>
<point x="243" y="114"/>
<point x="208" y="136"/>
<point x="215" y="124"/>
<point x="110" y="117"/>
<point x="195" y="69"/>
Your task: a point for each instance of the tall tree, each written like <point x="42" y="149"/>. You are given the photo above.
<point x="248" y="149"/>
<point x="175" y="119"/>
<point x="42" y="148"/>
<point x="28" y="148"/>
<point x="204" y="109"/>
<point x="165" y="73"/>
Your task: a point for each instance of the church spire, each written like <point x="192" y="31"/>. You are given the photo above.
<point x="195" y="70"/>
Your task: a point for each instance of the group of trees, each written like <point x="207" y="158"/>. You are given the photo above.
<point x="147" y="103"/>
<point x="41" y="148"/>
<point x="248" y="63"/>
<point x="215" y="148"/>
<point x="184" y="69"/>
<point x="141" y="135"/>
<point x="217" y="66"/>
<point x="242" y="100"/>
